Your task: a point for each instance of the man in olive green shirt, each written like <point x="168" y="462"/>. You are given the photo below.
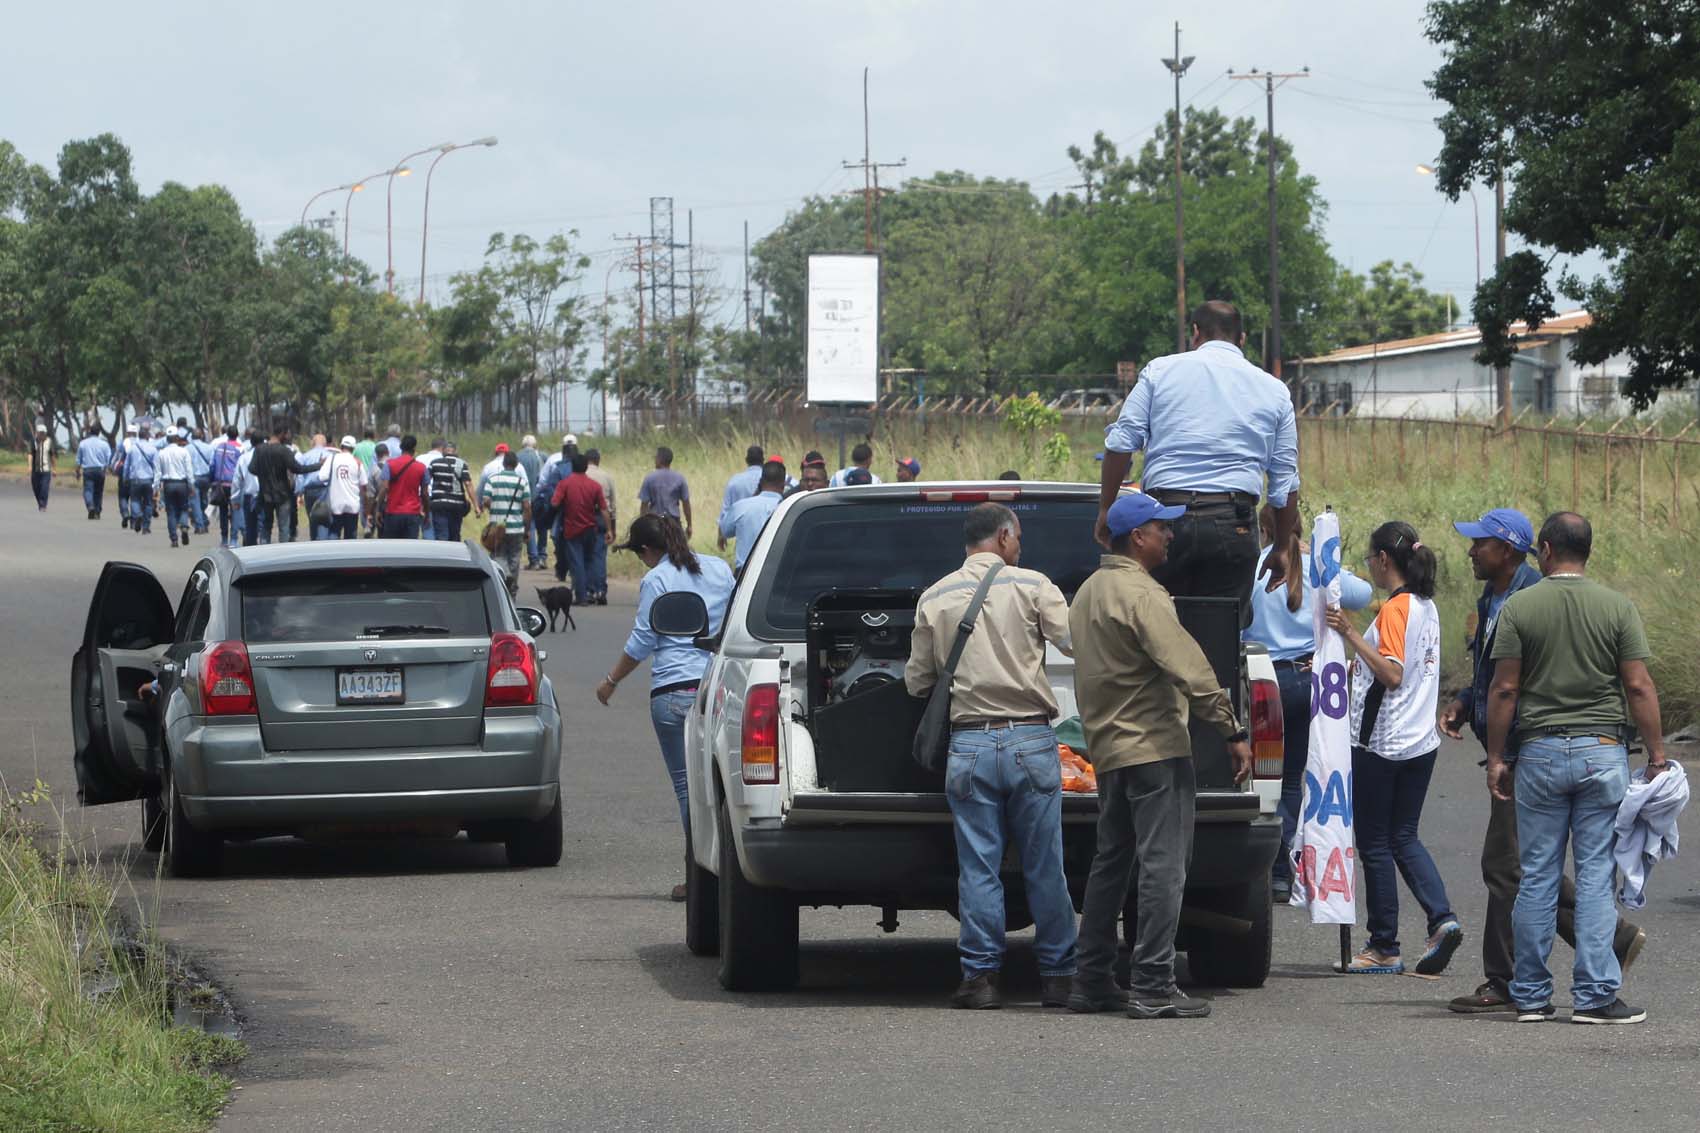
<point x="1136" y="672"/>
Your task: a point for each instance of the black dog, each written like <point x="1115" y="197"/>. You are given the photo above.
<point x="558" y="600"/>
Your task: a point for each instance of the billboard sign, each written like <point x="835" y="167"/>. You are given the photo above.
<point x="844" y="328"/>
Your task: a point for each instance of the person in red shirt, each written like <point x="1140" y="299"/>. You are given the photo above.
<point x="403" y="493"/>
<point x="579" y="501"/>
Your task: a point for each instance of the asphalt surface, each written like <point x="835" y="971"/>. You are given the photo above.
<point x="425" y="985"/>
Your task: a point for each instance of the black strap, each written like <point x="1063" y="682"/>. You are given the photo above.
<point x="966" y="626"/>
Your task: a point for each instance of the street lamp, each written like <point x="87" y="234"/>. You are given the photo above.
<point x="348" y="205"/>
<point x="425" y="225"/>
<point x="1475" y="209"/>
<point x="401" y="169"/>
<point x="316" y="196"/>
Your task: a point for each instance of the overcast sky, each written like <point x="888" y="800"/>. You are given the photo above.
<point x="736" y="110"/>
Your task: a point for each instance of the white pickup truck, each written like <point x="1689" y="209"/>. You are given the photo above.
<point x="802" y="789"/>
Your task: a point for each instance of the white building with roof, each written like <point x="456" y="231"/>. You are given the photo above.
<point x="1437" y="376"/>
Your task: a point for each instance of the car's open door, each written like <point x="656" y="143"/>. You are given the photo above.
<point x="128" y="630"/>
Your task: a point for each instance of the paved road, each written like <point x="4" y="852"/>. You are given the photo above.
<point x="425" y="986"/>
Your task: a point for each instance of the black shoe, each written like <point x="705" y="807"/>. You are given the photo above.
<point x="1281" y="892"/>
<point x="124" y="521"/>
<point x="1615" y="1013"/>
<point x="1054" y="991"/>
<point x="978" y="993"/>
<point x="185" y="536"/>
<point x="1086" y="999"/>
<point x="1171" y="1006"/>
<point x="1630" y="949"/>
<point x="1542" y="1014"/>
<point x="1488" y="999"/>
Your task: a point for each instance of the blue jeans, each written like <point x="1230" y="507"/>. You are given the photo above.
<point x="203" y="484"/>
<point x="94" y="488"/>
<point x="581" y="554"/>
<point x="178" y="496"/>
<point x="1295" y="710"/>
<point x="40" y="482"/>
<point x="266" y="514"/>
<point x="537" y="540"/>
<point x="250" y="520"/>
<point x="668" y="713"/>
<point x="1006" y="784"/>
<point x="403" y="526"/>
<point x="140" y="504"/>
<point x="1568" y="788"/>
<point x="1387" y="802"/>
<point x="597" y="564"/>
<point x="445" y="524"/>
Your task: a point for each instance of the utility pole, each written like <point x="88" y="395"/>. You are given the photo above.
<point x="870" y="171"/>
<point x="746" y="277"/>
<point x="1273" y="362"/>
<point x="1178" y="67"/>
<point x="638" y="242"/>
<point x="1502" y="375"/>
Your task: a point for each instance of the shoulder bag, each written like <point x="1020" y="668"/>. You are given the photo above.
<point x="932" y="736"/>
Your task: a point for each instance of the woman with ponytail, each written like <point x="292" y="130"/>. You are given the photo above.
<point x="1395" y="690"/>
<point x="1281" y="621"/>
<point x="678" y="665"/>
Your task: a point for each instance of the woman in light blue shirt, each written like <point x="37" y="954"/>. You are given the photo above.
<point x="1281" y="622"/>
<point x="676" y="665"/>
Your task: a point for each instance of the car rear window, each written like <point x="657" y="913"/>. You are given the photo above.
<point x="363" y="605"/>
<point x="905" y="544"/>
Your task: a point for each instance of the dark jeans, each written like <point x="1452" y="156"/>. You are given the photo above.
<point x="344" y="526"/>
<point x="178" y="497"/>
<point x="141" y="505"/>
<point x="597" y="564"/>
<point x="266" y="514"/>
<point x="537" y="542"/>
<point x="39" y="483"/>
<point x="250" y="520"/>
<point x="1502" y="873"/>
<point x="1387" y="802"/>
<point x="1295" y="709"/>
<point x="445" y="523"/>
<point x="198" y="519"/>
<point x="308" y="498"/>
<point x="580" y="550"/>
<point x="401" y="526"/>
<point x="94" y="488"/>
<point x="1145" y="821"/>
<point x="1214" y="554"/>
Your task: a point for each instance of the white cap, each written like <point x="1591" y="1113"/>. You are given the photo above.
<point x="570" y="439"/>
<point x="170" y="431"/>
<point x="130" y="428"/>
<point x="40" y="428"/>
<point x="348" y="442"/>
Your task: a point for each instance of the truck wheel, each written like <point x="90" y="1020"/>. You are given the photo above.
<point x="153" y="822"/>
<point x="702" y="905"/>
<point x="537" y="843"/>
<point x="758" y="926"/>
<point x="188" y="852"/>
<point x="1226" y="960"/>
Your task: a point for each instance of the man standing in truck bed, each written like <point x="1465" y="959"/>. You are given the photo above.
<point x="1212" y="426"/>
<point x="1004" y="777"/>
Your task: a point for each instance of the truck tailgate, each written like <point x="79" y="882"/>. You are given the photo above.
<point x="829" y="808"/>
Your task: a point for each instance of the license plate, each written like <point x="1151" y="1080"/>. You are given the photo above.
<point x="369" y="686"/>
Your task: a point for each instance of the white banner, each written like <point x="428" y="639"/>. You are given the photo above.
<point x="1324" y="854"/>
<point x="844" y="328"/>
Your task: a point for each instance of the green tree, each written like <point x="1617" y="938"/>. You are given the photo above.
<point x="1389" y="303"/>
<point x="1590" y="113"/>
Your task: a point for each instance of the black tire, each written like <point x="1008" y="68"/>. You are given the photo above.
<point x="1225" y="960"/>
<point x="758" y="927"/>
<point x="702" y="905"/>
<point x="153" y="822"/>
<point x="537" y="843"/>
<point x="188" y="852"/>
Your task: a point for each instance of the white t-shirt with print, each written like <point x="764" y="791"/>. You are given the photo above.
<point x="346" y="474"/>
<point x="1402" y="721"/>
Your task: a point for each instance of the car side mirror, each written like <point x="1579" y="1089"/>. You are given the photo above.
<point x="679" y="613"/>
<point x="534" y="621"/>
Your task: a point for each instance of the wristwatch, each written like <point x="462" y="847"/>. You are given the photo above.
<point x="1239" y="737"/>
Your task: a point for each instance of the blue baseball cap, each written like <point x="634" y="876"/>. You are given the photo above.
<point x="1135" y="509"/>
<point x="1505" y="524"/>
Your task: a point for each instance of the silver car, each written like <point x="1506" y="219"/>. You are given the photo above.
<point x="319" y="687"/>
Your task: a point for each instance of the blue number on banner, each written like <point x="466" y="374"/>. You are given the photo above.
<point x="1328" y="691"/>
<point x="1325" y="564"/>
<point x="1333" y="801"/>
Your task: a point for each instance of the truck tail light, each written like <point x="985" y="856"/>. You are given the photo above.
<point x="512" y="679"/>
<point x="761" y="734"/>
<point x="227" y="681"/>
<point x="1268" y="730"/>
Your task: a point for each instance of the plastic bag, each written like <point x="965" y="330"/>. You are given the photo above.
<point x="1077" y="774"/>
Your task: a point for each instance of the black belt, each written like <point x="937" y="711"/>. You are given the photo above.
<point x="1192" y="499"/>
<point x="1618" y="733"/>
<point x="1302" y="664"/>
<point x="993" y="724"/>
<point x="676" y="686"/>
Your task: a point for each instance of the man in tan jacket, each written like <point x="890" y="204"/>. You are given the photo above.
<point x="1136" y="672"/>
<point x="1004" y="777"/>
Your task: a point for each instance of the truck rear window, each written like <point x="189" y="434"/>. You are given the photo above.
<point x="906" y="544"/>
<point x="360" y="605"/>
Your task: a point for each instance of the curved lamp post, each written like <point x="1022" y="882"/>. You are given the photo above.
<point x="348" y="205"/>
<point x="316" y="196"/>
<point x="1475" y="209"/>
<point x="425" y="225"/>
<point x="400" y="169"/>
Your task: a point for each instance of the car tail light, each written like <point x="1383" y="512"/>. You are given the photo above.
<point x="227" y="680"/>
<point x="512" y="680"/>
<point x="761" y="734"/>
<point x="1268" y="730"/>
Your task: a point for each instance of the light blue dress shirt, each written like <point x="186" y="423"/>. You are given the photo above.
<point x="747" y="519"/>
<point x="676" y="659"/>
<point x="139" y="459"/>
<point x="740" y="487"/>
<point x="94" y="454"/>
<point x="1287" y="634"/>
<point x="1210" y="421"/>
<point x="201" y="453"/>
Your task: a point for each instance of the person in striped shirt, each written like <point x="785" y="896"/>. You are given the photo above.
<point x="507" y="496"/>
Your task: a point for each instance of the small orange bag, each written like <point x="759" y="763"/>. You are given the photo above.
<point x="1077" y="774"/>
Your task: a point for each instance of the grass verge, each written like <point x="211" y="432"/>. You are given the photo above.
<point x="84" y="1038"/>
